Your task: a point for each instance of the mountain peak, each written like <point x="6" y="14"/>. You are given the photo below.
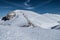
<point x="24" y="18"/>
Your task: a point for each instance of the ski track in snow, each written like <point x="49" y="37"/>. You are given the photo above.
<point x="38" y="26"/>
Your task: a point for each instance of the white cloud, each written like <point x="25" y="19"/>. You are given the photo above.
<point x="30" y="8"/>
<point x="27" y="5"/>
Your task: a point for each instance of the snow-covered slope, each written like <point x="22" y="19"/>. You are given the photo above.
<point x="26" y="18"/>
<point x="55" y="17"/>
<point x="25" y="33"/>
<point x="28" y="25"/>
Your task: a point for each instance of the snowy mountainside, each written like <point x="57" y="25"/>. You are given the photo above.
<point x="28" y="25"/>
<point x="27" y="18"/>
<point x="55" y="17"/>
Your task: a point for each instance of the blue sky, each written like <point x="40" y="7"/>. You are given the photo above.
<point x="40" y="6"/>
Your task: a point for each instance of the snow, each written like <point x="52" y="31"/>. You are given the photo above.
<point x="55" y="17"/>
<point x="42" y="21"/>
<point x="39" y="20"/>
<point x="21" y="33"/>
<point x="28" y="25"/>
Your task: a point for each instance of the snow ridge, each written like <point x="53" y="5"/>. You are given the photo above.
<point x="28" y="25"/>
<point x="28" y="18"/>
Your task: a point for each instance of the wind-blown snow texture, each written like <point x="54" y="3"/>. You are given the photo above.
<point x="28" y="25"/>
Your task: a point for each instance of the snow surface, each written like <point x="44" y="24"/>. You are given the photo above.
<point x="21" y="33"/>
<point x="28" y="25"/>
<point x="55" y="17"/>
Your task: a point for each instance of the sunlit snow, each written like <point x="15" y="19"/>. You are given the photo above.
<point x="28" y="25"/>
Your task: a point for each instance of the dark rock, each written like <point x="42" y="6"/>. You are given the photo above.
<point x="5" y="18"/>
